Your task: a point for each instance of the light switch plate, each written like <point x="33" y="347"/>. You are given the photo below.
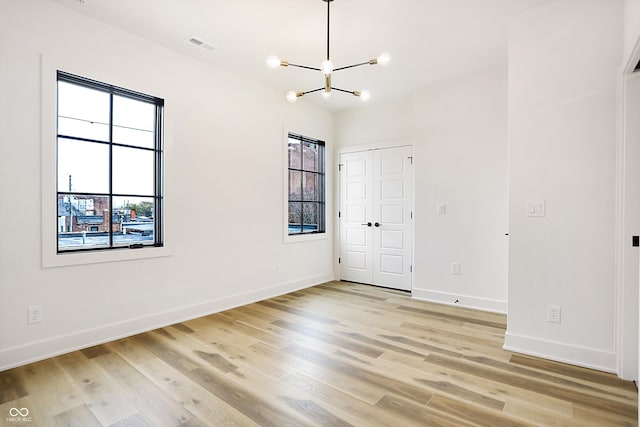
<point x="536" y="208"/>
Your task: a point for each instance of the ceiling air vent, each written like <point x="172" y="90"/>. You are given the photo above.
<point x="201" y="43"/>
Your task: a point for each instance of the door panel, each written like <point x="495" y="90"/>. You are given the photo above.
<point x="376" y="229"/>
<point x="393" y="237"/>
<point x="356" y="248"/>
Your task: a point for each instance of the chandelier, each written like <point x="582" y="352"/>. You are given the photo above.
<point x="327" y="68"/>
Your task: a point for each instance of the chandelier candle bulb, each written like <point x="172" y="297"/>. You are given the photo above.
<point x="326" y="67"/>
<point x="363" y="95"/>
<point x="383" y="59"/>
<point x="273" y="62"/>
<point x="292" y="96"/>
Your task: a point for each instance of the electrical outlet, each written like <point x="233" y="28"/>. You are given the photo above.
<point x="554" y="314"/>
<point x="34" y="314"/>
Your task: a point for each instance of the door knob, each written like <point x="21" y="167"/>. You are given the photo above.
<point x="377" y="224"/>
<point x="368" y="224"/>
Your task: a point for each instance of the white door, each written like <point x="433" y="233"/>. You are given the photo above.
<point x="375" y="217"/>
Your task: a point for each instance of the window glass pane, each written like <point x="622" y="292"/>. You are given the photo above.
<point x="132" y="171"/>
<point x="295" y="188"/>
<point x="83" y="112"/>
<point x="133" y="221"/>
<point x="85" y="164"/>
<point x="310" y="186"/>
<point x="138" y="138"/>
<point x="83" y="129"/>
<point x="83" y="222"/>
<point x="310" y="156"/>
<point x="294" y="154"/>
<point x="295" y="217"/>
<point x="310" y="217"/>
<point x="133" y="122"/>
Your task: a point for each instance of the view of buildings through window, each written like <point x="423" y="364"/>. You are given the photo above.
<point x="108" y="166"/>
<point x="306" y="185"/>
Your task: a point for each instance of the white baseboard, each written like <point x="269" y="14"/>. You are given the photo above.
<point x="561" y="352"/>
<point x="466" y="301"/>
<point x="35" y="351"/>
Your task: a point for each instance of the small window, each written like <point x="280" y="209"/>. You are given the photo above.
<point x="109" y="166"/>
<point x="306" y="208"/>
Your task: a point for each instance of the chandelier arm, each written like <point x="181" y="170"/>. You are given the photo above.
<point x="304" y="66"/>
<point x="311" y="91"/>
<point x="352" y="66"/>
<point x="352" y="92"/>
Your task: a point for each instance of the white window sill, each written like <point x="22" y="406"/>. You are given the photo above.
<point x="297" y="238"/>
<point x="52" y="260"/>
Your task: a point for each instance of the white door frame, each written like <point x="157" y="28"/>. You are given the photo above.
<point x="627" y="363"/>
<point x="371" y="147"/>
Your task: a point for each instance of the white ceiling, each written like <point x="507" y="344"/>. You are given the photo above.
<point x="427" y="39"/>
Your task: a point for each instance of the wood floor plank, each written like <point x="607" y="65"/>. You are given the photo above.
<point x="143" y="393"/>
<point x="193" y="397"/>
<point x="355" y="411"/>
<point x="423" y="415"/>
<point x="80" y="416"/>
<point x="534" y="414"/>
<point x="95" y="388"/>
<point x="95" y="351"/>
<point x="456" y="317"/>
<point x="575" y="396"/>
<point x="136" y="420"/>
<point x="298" y="312"/>
<point x="381" y="380"/>
<point x="407" y="367"/>
<point x="329" y="338"/>
<point x="337" y="354"/>
<point x="11" y="386"/>
<point x="585" y="374"/>
<point x="245" y="401"/>
<point x="49" y="390"/>
<point x="475" y="414"/>
<point x="338" y="379"/>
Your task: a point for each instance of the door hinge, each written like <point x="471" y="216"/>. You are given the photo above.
<point x="411" y="214"/>
<point x="411" y="269"/>
<point x="339" y="260"/>
<point x="339" y="167"/>
<point x="411" y="159"/>
<point x="339" y="214"/>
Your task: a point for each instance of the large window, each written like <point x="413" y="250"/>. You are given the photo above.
<point x="306" y="185"/>
<point x="109" y="166"/>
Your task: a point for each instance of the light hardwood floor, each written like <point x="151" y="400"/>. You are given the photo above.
<point x="337" y="354"/>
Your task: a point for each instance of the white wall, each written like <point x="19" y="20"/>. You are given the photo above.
<point x="631" y="32"/>
<point x="224" y="191"/>
<point x="562" y="134"/>
<point x="458" y="131"/>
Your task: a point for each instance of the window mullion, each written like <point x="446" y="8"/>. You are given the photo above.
<point x="110" y="170"/>
<point x="157" y="178"/>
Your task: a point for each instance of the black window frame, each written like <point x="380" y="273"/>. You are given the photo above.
<point x="158" y="197"/>
<point x="320" y="200"/>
